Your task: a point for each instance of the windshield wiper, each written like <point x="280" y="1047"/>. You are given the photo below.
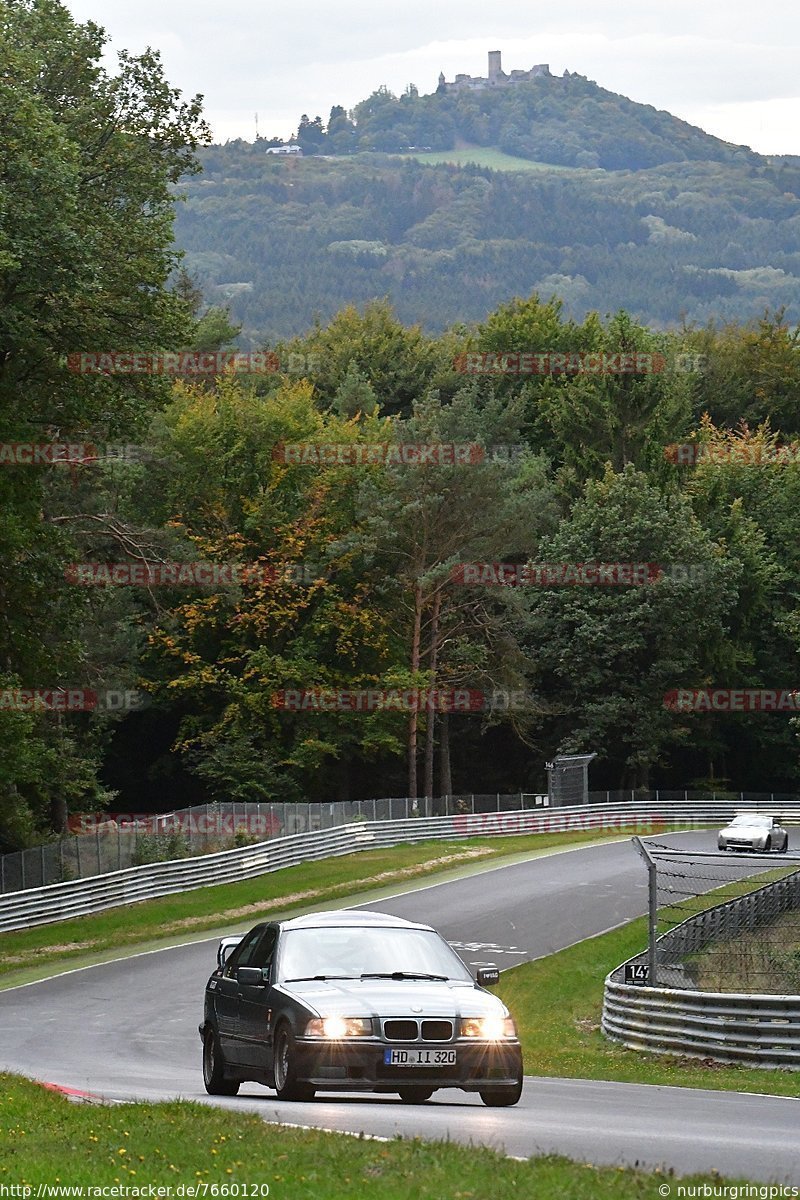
<point x="306" y="978"/>
<point x="403" y="975"/>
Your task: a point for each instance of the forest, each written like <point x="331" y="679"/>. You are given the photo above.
<point x="283" y="242"/>
<point x="387" y="504"/>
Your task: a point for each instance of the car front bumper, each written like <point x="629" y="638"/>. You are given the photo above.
<point x="358" y="1065"/>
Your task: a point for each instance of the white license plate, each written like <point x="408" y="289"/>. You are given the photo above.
<point x="419" y="1056"/>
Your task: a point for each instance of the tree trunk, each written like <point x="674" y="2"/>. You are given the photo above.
<point x="412" y="716"/>
<point x="59" y="813"/>
<point x="430" y="730"/>
<point x="445" y="778"/>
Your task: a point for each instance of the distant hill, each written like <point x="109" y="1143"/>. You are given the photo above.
<point x="672" y="224"/>
<point x="565" y="120"/>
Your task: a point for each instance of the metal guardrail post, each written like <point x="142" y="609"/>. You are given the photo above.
<point x="652" y="912"/>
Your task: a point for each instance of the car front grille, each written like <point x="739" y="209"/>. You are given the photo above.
<point x="437" y="1031"/>
<point x="401" y="1031"/>
<point x="408" y="1030"/>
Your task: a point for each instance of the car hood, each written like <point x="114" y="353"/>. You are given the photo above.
<point x="746" y="831"/>
<point x="393" y="998"/>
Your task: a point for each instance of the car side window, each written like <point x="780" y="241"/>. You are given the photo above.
<point x="265" y="950"/>
<point x="242" y="955"/>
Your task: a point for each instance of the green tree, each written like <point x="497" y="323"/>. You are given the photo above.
<point x="86" y="204"/>
<point x="217" y="660"/>
<point x="418" y="523"/>
<point x="610" y="654"/>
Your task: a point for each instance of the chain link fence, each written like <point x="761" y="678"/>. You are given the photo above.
<point x="112" y="842"/>
<point x="721" y="923"/>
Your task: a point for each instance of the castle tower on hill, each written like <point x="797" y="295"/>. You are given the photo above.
<point x="496" y="76"/>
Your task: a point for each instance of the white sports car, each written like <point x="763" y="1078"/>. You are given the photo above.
<point x="754" y="831"/>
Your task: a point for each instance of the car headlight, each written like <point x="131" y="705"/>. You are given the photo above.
<point x="337" y="1028"/>
<point x="492" y="1029"/>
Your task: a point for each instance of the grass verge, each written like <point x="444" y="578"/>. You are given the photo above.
<point x="557" y="1003"/>
<point x="181" y="1144"/>
<point x="26" y="954"/>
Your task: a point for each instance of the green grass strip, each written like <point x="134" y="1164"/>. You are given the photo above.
<point x="181" y="1145"/>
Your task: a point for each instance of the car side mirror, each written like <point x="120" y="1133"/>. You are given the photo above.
<point x="488" y="976"/>
<point x="253" y="976"/>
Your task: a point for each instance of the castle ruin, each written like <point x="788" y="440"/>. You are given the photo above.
<point x="496" y="77"/>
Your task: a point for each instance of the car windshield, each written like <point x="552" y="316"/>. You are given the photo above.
<point x="352" y="951"/>
<point x="753" y="819"/>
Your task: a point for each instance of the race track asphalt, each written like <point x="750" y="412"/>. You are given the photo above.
<point x="128" y="1030"/>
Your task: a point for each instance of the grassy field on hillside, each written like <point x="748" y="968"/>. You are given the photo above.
<point x="483" y="156"/>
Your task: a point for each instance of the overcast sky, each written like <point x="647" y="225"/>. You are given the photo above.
<point x="729" y="66"/>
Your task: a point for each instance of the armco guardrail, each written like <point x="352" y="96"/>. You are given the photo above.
<point x="61" y="901"/>
<point x="80" y="897"/>
<point x="755" y="1030"/>
<point x="749" y="1028"/>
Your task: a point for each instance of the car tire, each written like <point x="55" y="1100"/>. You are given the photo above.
<point x="216" y="1081"/>
<point x="502" y="1097"/>
<point x="768" y="845"/>
<point x="284" y="1065"/>
<point x="415" y="1094"/>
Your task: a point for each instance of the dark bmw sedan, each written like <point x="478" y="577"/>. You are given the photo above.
<point x="356" y="1001"/>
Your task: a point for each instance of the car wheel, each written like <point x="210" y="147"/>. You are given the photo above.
<point x="502" y="1097"/>
<point x="415" y="1095"/>
<point x="287" y="1084"/>
<point x="214" y="1077"/>
<point x="768" y="845"/>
